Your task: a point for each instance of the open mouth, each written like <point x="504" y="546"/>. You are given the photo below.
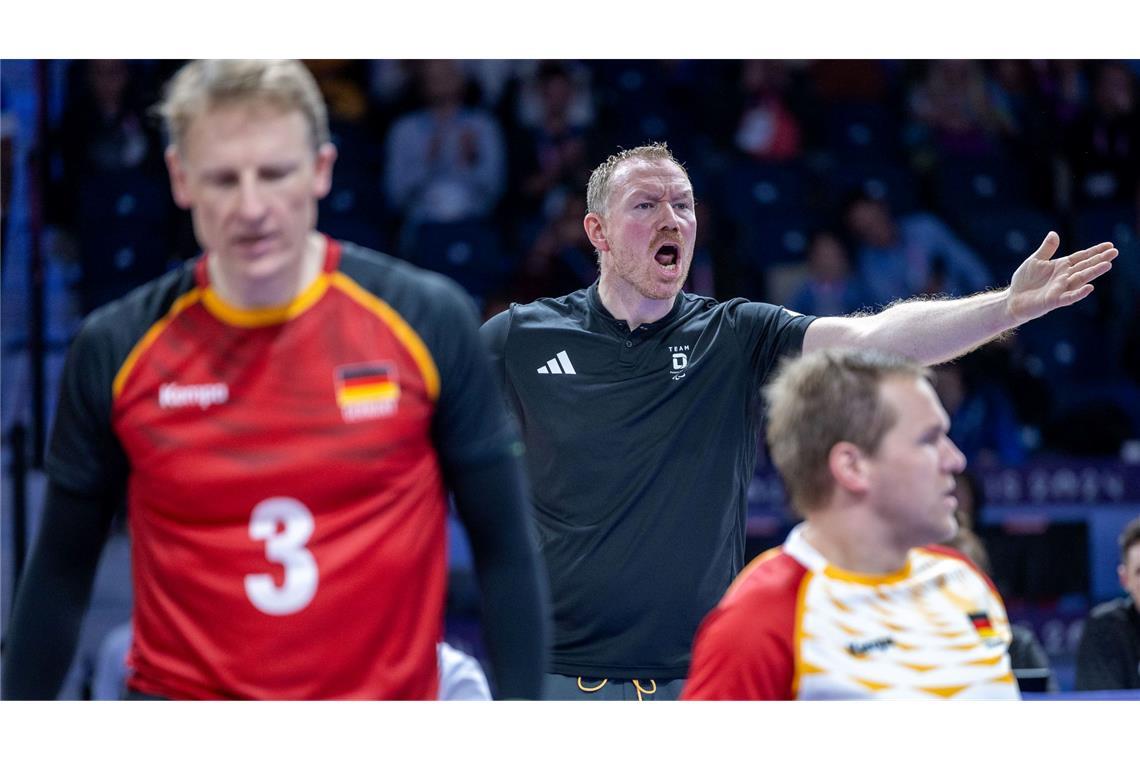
<point x="668" y="256"/>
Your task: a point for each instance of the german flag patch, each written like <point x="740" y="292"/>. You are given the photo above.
<point x="367" y="391"/>
<point x="982" y="624"/>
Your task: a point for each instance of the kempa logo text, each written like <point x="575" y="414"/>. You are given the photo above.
<point x="173" y="395"/>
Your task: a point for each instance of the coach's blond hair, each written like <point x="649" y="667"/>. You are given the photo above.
<point x="202" y="85"/>
<point x="601" y="179"/>
<point x="823" y="398"/>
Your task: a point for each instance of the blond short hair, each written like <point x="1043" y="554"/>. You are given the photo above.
<point x="202" y="85"/>
<point x="823" y="398"/>
<point x="598" y="188"/>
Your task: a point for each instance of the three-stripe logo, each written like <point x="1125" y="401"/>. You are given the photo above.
<point x="559" y="365"/>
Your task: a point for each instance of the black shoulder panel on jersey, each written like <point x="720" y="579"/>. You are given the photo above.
<point x="83" y="454"/>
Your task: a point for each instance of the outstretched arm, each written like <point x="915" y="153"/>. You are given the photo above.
<point x="934" y="331"/>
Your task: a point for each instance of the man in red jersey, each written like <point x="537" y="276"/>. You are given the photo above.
<point x="858" y="603"/>
<point x="286" y="415"/>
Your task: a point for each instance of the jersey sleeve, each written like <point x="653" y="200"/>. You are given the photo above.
<point x="767" y="334"/>
<point x="494" y="336"/>
<point x="84" y="456"/>
<point x="739" y="655"/>
<point x="471" y="424"/>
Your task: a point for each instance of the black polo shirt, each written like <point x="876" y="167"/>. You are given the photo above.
<point x="640" y="447"/>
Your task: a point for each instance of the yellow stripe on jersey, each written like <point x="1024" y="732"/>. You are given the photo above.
<point x="799" y="666"/>
<point x="920" y="668"/>
<point x="831" y="571"/>
<point x="946" y="692"/>
<point x="402" y="330"/>
<point x="267" y="315"/>
<point x="872" y="685"/>
<point x="183" y="303"/>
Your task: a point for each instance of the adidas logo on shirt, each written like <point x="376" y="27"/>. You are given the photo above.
<point x="559" y="365"/>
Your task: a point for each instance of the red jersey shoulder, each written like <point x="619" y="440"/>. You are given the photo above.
<point x="762" y="601"/>
<point x="744" y="648"/>
<point x="772" y="575"/>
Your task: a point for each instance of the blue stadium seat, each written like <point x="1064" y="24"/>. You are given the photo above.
<point x="784" y="240"/>
<point x="469" y="252"/>
<point x="881" y="180"/>
<point x="964" y="187"/>
<point x="1004" y="237"/>
<point x="755" y="190"/>
<point x="124" y="232"/>
<point x="355" y="212"/>
<point x="1099" y="223"/>
<point x="860" y="131"/>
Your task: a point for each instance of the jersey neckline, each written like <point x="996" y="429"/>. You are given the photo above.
<point x="265" y="316"/>
<point x="594" y="300"/>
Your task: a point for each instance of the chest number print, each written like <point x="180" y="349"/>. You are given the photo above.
<point x="285" y="547"/>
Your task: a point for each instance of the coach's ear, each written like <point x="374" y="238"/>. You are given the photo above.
<point x="593" y="224"/>
<point x="848" y="467"/>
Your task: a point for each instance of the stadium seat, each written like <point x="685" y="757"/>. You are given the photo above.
<point x="964" y="187"/>
<point x="124" y="232"/>
<point x="469" y="252"/>
<point x="1111" y="222"/>
<point x="861" y="132"/>
<point x="881" y="180"/>
<point x="1005" y="237"/>
<point x="755" y="190"/>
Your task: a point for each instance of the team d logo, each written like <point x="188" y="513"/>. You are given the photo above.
<point x="680" y="361"/>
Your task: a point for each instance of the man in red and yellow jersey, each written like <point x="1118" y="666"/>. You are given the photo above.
<point x="286" y="416"/>
<point x="858" y="602"/>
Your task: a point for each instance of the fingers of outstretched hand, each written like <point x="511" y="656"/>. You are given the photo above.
<point x="1072" y="296"/>
<point x="1048" y="246"/>
<point x="1089" y="253"/>
<point x="1089" y="271"/>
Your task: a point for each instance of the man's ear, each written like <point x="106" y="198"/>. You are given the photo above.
<point x="322" y="172"/>
<point x="594" y="231"/>
<point x="849" y="467"/>
<point x="179" y="187"/>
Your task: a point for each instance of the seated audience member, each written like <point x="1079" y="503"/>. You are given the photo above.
<point x="859" y="602"/>
<point x="982" y="417"/>
<point x="1103" y="144"/>
<point x="767" y="129"/>
<point x="445" y="162"/>
<point x="1108" y="656"/>
<point x="912" y="255"/>
<point x="831" y="290"/>
<point x="957" y="110"/>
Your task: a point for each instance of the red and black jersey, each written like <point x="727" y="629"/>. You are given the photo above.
<point x="284" y="474"/>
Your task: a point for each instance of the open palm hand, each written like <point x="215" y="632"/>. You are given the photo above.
<point x="1043" y="283"/>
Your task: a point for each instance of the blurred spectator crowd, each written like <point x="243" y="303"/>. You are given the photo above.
<point x="827" y="186"/>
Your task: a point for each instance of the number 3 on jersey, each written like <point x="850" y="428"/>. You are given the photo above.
<point x="285" y="547"/>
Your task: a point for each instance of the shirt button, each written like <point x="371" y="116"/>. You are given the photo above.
<point x="628" y="343"/>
